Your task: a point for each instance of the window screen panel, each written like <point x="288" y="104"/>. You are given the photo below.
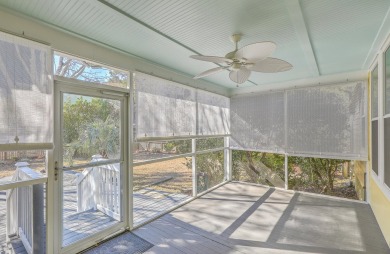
<point x="163" y="108"/>
<point x="374" y="146"/>
<point x="374" y="93"/>
<point x="257" y="122"/>
<point x="387" y="151"/>
<point x="327" y="121"/>
<point x="25" y="94"/>
<point x="213" y="114"/>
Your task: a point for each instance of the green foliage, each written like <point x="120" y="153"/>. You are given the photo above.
<point x="209" y="170"/>
<point x="76" y="114"/>
<point x="100" y="137"/>
<point x="91" y="126"/>
<point x="256" y="167"/>
<point x="209" y="143"/>
<point x="180" y="146"/>
<point x="313" y="174"/>
<point x="307" y="174"/>
<point x="210" y="166"/>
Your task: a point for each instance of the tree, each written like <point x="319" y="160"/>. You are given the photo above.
<point x="258" y="167"/>
<point x="100" y="137"/>
<point x="84" y="70"/>
<point x="83" y="110"/>
<point x="90" y="126"/>
<point x="316" y="174"/>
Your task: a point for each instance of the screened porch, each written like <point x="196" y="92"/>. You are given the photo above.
<point x="137" y="127"/>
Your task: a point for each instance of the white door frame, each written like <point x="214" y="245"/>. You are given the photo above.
<point x="54" y="195"/>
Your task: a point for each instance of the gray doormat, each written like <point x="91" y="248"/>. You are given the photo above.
<point x="126" y="243"/>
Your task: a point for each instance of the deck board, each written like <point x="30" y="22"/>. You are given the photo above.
<point x="148" y="203"/>
<point x="247" y="218"/>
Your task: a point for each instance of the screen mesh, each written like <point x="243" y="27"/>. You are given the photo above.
<point x="163" y="108"/>
<point x="326" y="121"/>
<point x="25" y="93"/>
<point x="166" y="109"/>
<point x="258" y="122"/>
<point x="213" y="114"/>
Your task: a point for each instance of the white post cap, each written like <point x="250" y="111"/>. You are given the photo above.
<point x="21" y="164"/>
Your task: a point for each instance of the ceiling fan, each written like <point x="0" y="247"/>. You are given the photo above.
<point x="240" y="62"/>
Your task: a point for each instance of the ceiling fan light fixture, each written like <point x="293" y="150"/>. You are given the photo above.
<point x="236" y="66"/>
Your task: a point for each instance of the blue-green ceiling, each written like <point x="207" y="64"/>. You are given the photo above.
<point x="318" y="37"/>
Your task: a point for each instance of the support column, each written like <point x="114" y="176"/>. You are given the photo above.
<point x="227" y="160"/>
<point x="194" y="175"/>
<point x="285" y="171"/>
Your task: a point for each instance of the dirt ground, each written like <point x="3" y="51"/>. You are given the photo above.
<point x="7" y="167"/>
<point x="170" y="176"/>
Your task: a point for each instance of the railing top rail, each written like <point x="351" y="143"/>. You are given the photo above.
<point x="26" y="173"/>
<point x="97" y="159"/>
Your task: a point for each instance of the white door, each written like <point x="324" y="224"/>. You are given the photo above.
<point x="91" y="144"/>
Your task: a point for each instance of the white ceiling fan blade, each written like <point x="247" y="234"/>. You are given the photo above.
<point x="213" y="59"/>
<point x="209" y="72"/>
<point x="256" y="51"/>
<point x="240" y="76"/>
<point x="270" y="65"/>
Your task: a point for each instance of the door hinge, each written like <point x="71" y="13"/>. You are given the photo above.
<point x="56" y="171"/>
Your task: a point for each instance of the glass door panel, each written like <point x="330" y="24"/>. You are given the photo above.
<point x="92" y="162"/>
<point x="91" y="126"/>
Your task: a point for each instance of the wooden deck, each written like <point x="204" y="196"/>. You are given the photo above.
<point x="148" y="203"/>
<point x="246" y="218"/>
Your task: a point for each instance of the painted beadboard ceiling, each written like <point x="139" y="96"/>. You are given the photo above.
<point x="317" y="37"/>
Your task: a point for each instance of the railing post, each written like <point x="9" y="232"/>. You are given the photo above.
<point x="38" y="235"/>
<point x="27" y="204"/>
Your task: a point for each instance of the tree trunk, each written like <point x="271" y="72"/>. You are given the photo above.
<point x="330" y="177"/>
<point x="250" y="163"/>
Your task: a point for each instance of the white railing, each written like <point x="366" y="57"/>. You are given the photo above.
<point x="98" y="188"/>
<point x="25" y="215"/>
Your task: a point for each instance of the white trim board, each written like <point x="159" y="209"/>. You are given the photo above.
<point x="380" y="39"/>
<point x="321" y="80"/>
